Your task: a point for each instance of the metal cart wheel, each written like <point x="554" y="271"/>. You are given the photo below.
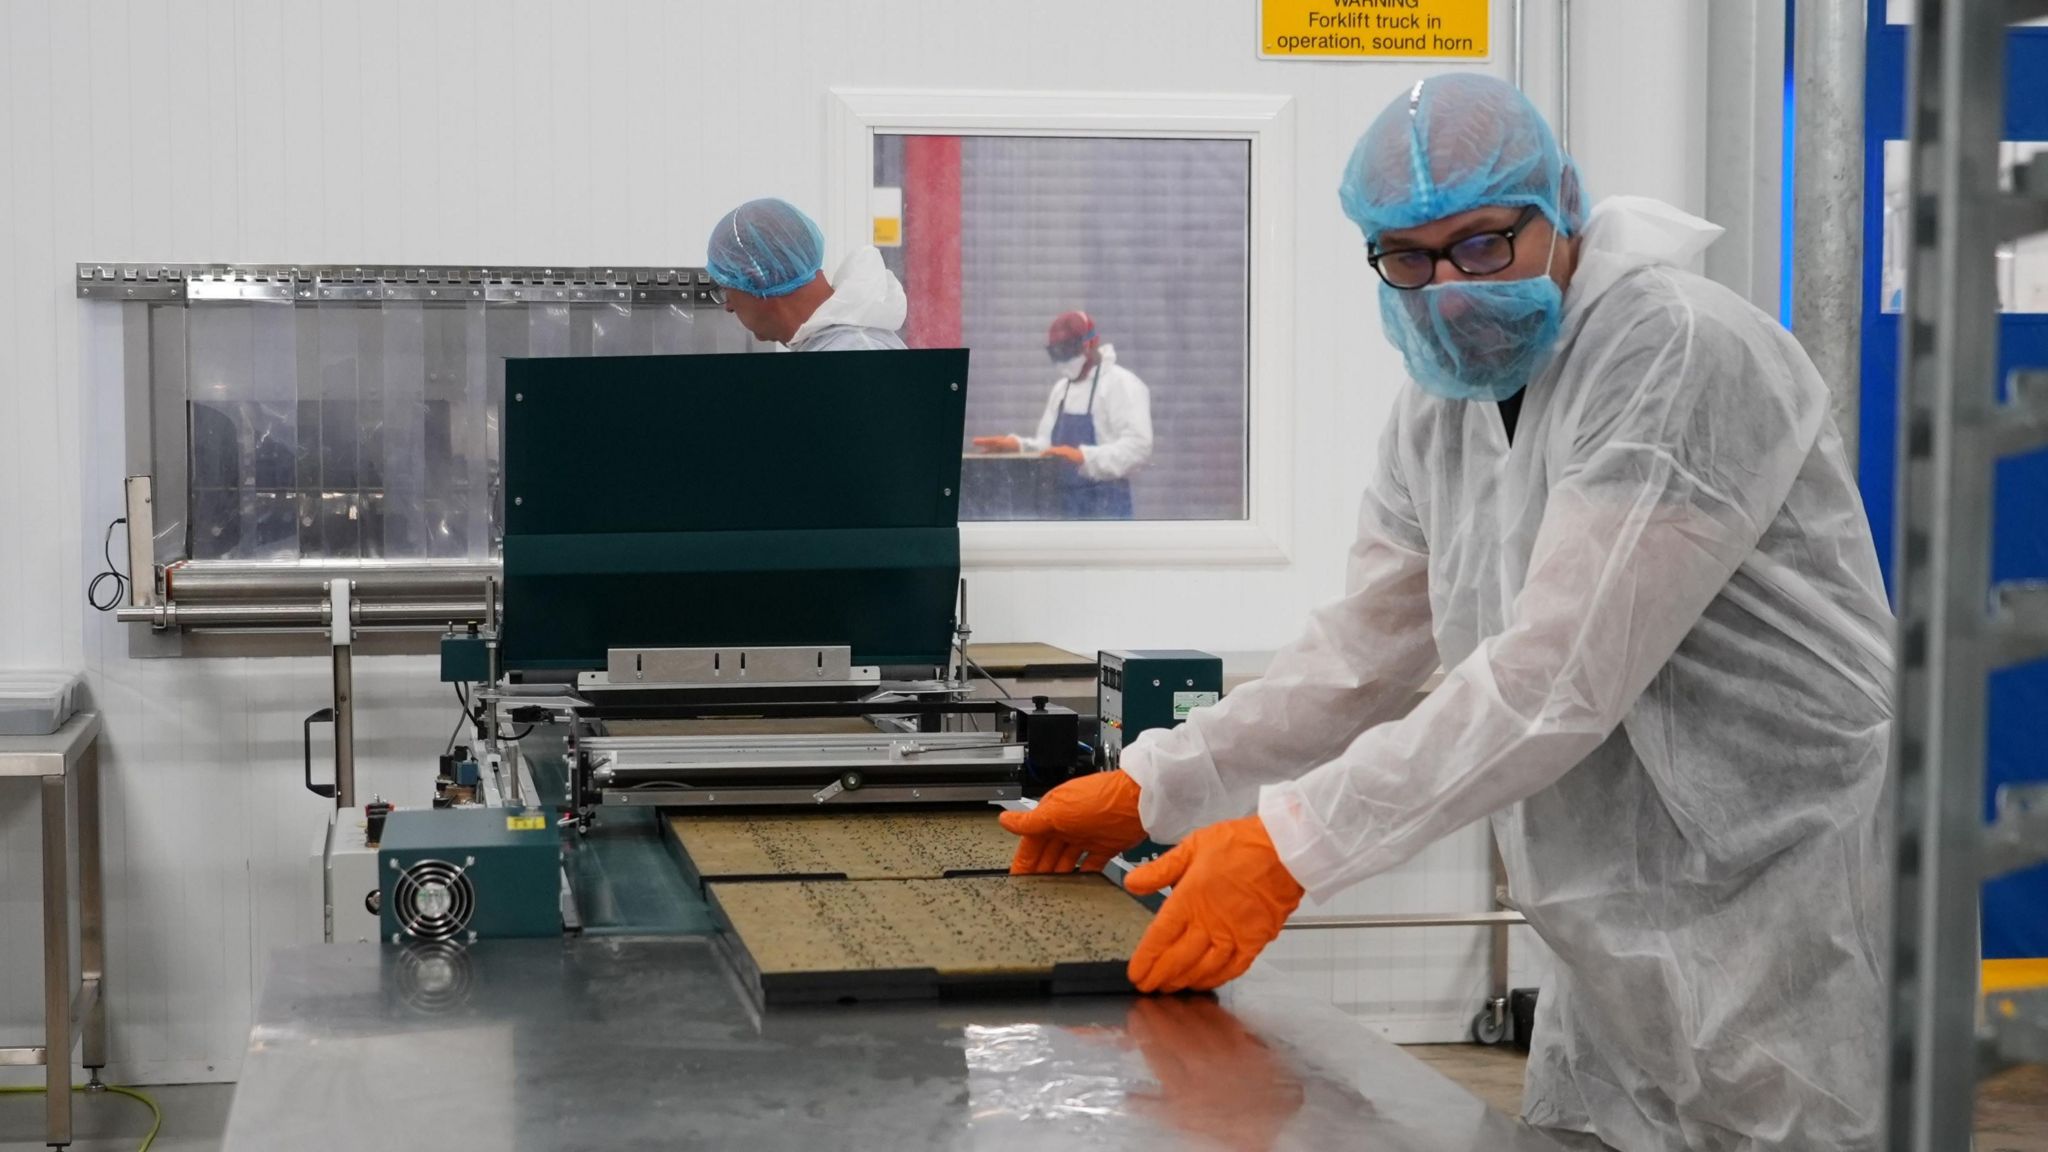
<point x="1490" y="1027"/>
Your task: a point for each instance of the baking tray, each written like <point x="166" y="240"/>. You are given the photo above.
<point x="824" y="941"/>
<point x="729" y="847"/>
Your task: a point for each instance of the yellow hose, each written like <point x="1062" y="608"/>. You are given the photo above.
<point x="156" y="1114"/>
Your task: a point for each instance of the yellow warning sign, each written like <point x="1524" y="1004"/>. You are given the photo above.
<point x="1374" y="29"/>
<point x="534" y="823"/>
<point x="885" y="205"/>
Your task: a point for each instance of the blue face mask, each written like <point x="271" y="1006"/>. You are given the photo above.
<point x="1474" y="339"/>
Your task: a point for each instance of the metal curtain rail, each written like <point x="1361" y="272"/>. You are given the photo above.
<point x="314" y="283"/>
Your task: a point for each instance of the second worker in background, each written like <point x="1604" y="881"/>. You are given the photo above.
<point x="1098" y="419"/>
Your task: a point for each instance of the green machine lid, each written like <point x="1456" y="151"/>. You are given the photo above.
<point x="751" y="499"/>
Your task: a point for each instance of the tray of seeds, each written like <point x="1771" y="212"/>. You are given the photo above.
<point x="923" y="845"/>
<point x="813" y="941"/>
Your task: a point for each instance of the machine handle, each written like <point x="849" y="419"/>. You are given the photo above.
<point x="323" y="716"/>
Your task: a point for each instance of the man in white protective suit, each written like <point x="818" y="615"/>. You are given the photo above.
<point x="767" y="259"/>
<point x="1615" y="510"/>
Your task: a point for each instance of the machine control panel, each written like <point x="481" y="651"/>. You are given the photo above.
<point x="1137" y="691"/>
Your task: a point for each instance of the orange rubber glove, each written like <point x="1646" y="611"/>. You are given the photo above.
<point x="1230" y="896"/>
<point x="1080" y="824"/>
<point x="1067" y="452"/>
<point x="998" y="443"/>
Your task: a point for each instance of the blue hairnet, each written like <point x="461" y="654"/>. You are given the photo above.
<point x="765" y="248"/>
<point x="1454" y="143"/>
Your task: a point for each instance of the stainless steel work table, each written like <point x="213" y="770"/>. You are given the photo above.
<point x="647" y="1042"/>
<point x="67" y="766"/>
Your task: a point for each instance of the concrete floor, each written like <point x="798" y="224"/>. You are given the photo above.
<point x="2012" y="1109"/>
<point x="195" y="1117"/>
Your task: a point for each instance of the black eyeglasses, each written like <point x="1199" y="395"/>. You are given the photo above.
<point x="1480" y="254"/>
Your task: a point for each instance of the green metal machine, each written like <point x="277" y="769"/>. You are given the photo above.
<point x="461" y="874"/>
<point x="773" y="537"/>
<point x="738" y="500"/>
<point x="690" y="540"/>
<point x="1138" y="691"/>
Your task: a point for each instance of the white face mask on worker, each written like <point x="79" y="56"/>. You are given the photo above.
<point x="1071" y="366"/>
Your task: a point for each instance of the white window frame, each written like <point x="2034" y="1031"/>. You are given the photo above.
<point x="856" y="116"/>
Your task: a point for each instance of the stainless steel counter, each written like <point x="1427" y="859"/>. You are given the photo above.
<point x="643" y="1043"/>
<point x="66" y="767"/>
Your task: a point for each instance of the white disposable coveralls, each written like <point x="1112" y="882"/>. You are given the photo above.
<point x="865" y="309"/>
<point x="1668" y="680"/>
<point x="1123" y="418"/>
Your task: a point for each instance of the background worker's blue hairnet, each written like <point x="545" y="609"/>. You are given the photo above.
<point x="1454" y="143"/>
<point x="765" y="248"/>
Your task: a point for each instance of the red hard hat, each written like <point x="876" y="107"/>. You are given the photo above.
<point x="1070" y="327"/>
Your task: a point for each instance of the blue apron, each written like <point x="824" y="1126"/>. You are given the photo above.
<point x="1080" y="497"/>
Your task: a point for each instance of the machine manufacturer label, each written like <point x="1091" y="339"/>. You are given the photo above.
<point x="1374" y="29"/>
<point x="1186" y="702"/>
<point x="534" y="822"/>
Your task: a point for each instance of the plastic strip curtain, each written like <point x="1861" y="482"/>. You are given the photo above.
<point x="164" y="371"/>
<point x="650" y="329"/>
<point x="368" y="430"/>
<point x="242" y="371"/>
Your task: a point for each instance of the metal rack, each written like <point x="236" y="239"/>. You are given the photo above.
<point x="1493" y="1024"/>
<point x="1955" y="627"/>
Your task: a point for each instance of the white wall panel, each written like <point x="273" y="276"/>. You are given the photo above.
<point x="1745" y="145"/>
<point x="549" y="131"/>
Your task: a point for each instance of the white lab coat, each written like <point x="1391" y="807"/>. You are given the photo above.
<point x="1669" y="682"/>
<point x="1123" y="419"/>
<point x="865" y="309"/>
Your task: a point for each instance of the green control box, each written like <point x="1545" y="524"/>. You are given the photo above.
<point x="464" y="874"/>
<point x="465" y="658"/>
<point x="1136" y="692"/>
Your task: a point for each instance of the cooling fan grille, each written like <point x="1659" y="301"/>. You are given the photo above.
<point x="434" y="900"/>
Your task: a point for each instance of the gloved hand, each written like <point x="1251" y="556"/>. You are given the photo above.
<point x="1093" y="816"/>
<point x="998" y="444"/>
<point x="1230" y="896"/>
<point x="1067" y="452"/>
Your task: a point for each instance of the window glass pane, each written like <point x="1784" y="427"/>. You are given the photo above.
<point x="2022" y="265"/>
<point x="999" y="236"/>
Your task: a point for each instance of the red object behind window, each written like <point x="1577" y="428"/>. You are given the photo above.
<point x="931" y="240"/>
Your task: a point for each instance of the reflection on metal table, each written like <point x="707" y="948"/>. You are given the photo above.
<point x="631" y="1042"/>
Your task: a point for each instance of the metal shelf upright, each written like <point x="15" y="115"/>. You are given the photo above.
<point x="1955" y="626"/>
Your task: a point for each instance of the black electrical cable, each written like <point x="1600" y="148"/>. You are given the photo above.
<point x="1000" y="687"/>
<point x="475" y="717"/>
<point x="450" y="750"/>
<point x="974" y="721"/>
<point x="120" y="579"/>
